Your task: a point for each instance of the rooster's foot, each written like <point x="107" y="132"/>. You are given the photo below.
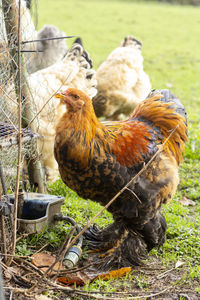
<point x="128" y="252"/>
<point x="103" y="239"/>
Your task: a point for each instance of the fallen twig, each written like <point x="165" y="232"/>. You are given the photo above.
<point x="30" y="265"/>
<point x="120" y="294"/>
<point x="24" y="235"/>
<point x="15" y="276"/>
<point x="62" y="250"/>
<point x="75" y="270"/>
<point x="44" y="246"/>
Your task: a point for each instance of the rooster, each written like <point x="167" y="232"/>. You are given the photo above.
<point x="121" y="81"/>
<point x="98" y="159"/>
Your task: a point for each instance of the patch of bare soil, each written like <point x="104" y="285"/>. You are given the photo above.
<point x="160" y="282"/>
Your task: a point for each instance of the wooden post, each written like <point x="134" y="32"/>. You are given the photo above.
<point x="3" y="234"/>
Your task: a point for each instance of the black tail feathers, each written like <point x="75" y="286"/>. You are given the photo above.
<point x="78" y="40"/>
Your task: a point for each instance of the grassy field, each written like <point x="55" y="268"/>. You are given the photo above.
<point x="171" y="39"/>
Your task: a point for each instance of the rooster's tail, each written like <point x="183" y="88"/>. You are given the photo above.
<point x="164" y="110"/>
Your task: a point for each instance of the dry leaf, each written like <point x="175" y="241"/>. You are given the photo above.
<point x="80" y="278"/>
<point x="46" y="260"/>
<point x="115" y="273"/>
<point x="187" y="202"/>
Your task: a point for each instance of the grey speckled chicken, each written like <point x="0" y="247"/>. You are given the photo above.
<point x="49" y="51"/>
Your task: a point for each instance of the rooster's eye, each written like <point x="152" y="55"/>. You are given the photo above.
<point x="75" y="96"/>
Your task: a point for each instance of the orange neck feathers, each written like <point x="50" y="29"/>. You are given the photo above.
<point x="82" y="129"/>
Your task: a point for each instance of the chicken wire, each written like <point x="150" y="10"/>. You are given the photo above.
<point x="13" y="83"/>
<point x="9" y="85"/>
<point x="26" y="101"/>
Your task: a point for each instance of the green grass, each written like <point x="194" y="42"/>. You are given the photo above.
<point x="171" y="39"/>
<point x="170" y="36"/>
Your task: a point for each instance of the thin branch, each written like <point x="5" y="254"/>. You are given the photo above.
<point x="18" y="33"/>
<point x="39" y="250"/>
<point x="160" y="276"/>
<point x="23" y="236"/>
<point x="11" y="295"/>
<point x="3" y="236"/>
<point x="48" y="101"/>
<point x="75" y="270"/>
<point x="49" y="39"/>
<point x="16" y="256"/>
<point x="31" y="51"/>
<point x="5" y="93"/>
<point x="134" y="194"/>
<point x="93" y="296"/>
<point x="17" y="130"/>
<point x="62" y="250"/>
<point x="14" y="289"/>
<point x="30" y="265"/>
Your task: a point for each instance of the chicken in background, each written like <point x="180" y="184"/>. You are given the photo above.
<point x="47" y="52"/>
<point x="72" y="71"/>
<point x="121" y="81"/>
<point x="98" y="159"/>
<point x="78" y="40"/>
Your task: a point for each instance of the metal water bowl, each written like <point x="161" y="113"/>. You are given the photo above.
<point x="38" y="211"/>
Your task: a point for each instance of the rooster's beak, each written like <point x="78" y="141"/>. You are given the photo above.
<point x="59" y="95"/>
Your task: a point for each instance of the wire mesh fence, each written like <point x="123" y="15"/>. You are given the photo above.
<point x="11" y="85"/>
<point x="34" y="65"/>
<point x="40" y="50"/>
<point x="18" y="149"/>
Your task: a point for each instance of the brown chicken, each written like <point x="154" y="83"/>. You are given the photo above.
<point x="98" y="159"/>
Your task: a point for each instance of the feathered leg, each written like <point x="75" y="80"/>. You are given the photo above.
<point x="103" y="239"/>
<point x="129" y="251"/>
<point x="154" y="231"/>
<point x="139" y="226"/>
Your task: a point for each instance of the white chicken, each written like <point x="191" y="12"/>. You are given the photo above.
<point x="73" y="71"/>
<point x="121" y="81"/>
